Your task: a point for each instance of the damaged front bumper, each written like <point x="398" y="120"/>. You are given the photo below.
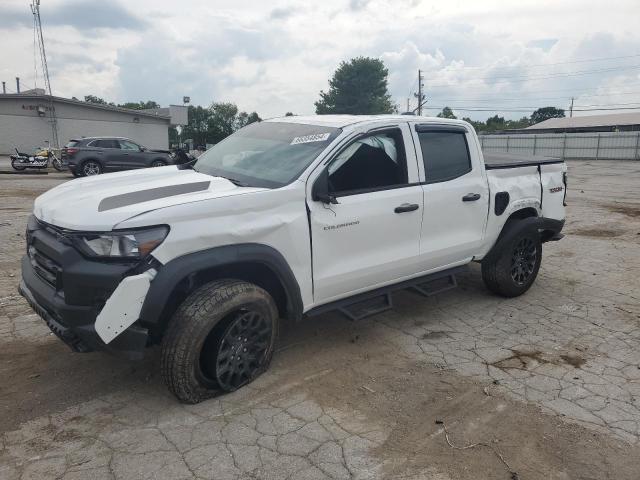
<point x="69" y="292"/>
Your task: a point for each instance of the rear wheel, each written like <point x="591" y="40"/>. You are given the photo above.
<point x="158" y="163"/>
<point x="221" y="338"/>
<point x="513" y="266"/>
<point x="57" y="164"/>
<point x="15" y="164"/>
<point x="90" y="168"/>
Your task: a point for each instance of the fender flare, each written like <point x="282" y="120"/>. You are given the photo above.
<point x="173" y="272"/>
<point x="510" y="229"/>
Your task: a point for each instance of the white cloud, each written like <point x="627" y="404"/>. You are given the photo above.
<point x="274" y="57"/>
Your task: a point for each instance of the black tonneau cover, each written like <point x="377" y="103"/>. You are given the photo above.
<point x="513" y="160"/>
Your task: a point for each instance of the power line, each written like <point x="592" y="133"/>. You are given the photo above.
<point x="524" y="109"/>
<point x="524" y="78"/>
<point x="601" y="59"/>
<point x="635" y="104"/>
<point x="502" y="99"/>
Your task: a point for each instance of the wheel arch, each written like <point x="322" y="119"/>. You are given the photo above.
<point x="254" y="263"/>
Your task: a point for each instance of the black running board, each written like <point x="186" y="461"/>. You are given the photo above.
<point x="379" y="300"/>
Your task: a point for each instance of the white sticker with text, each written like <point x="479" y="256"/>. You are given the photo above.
<point x="316" y="137"/>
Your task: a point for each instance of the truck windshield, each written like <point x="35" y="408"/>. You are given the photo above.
<point x="266" y="154"/>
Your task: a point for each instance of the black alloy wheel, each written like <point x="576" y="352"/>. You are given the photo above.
<point x="242" y="350"/>
<point x="523" y="260"/>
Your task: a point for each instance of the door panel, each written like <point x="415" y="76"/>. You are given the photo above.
<point x="132" y="156"/>
<point x="371" y="236"/>
<point x="362" y="242"/>
<point x="456" y="195"/>
<point x="453" y="229"/>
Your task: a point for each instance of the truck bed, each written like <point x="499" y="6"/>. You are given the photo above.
<point x="494" y="160"/>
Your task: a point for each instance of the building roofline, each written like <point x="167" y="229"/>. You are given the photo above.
<point x="70" y="101"/>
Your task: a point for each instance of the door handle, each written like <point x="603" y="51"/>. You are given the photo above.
<point x="407" y="207"/>
<point x="471" y="197"/>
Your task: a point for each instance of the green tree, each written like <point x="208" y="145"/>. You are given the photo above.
<point x="545" y="113"/>
<point x="357" y="87"/>
<point x="524" y="122"/>
<point x="243" y="119"/>
<point x="495" y="123"/>
<point x="289" y="114"/>
<point x="214" y="123"/>
<point x="446" y="113"/>
<point x="96" y="100"/>
<point x="139" y="105"/>
<point x="198" y="124"/>
<point x="478" y="126"/>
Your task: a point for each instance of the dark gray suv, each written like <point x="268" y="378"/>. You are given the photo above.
<point x="95" y="155"/>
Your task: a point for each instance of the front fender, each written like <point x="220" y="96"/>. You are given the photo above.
<point x="173" y="272"/>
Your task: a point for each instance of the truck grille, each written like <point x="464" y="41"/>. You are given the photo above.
<point x="46" y="268"/>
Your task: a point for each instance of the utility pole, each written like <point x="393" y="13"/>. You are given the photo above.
<point x="571" y="109"/>
<point x="420" y="96"/>
<point x="18" y="84"/>
<point x="37" y="25"/>
<point x="406" y="110"/>
<point x="4" y="87"/>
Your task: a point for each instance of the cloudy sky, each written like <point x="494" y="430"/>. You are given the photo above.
<point x="276" y="56"/>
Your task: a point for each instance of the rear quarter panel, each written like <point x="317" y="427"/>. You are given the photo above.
<point x="553" y="190"/>
<point x="523" y="186"/>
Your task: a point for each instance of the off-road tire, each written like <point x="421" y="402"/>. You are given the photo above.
<point x="206" y="312"/>
<point x="497" y="266"/>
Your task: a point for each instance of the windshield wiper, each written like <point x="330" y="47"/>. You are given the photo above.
<point x="236" y="182"/>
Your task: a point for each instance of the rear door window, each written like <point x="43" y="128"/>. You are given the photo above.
<point x="127" y="145"/>
<point x="105" y="143"/>
<point x="445" y="154"/>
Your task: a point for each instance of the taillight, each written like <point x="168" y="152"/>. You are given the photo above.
<point x="564" y="180"/>
<point x="71" y="151"/>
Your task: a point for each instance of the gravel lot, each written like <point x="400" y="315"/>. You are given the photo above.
<point x="546" y="386"/>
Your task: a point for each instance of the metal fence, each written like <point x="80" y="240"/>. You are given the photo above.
<point x="595" y="146"/>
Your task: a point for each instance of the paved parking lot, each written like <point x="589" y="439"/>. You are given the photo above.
<point x="543" y="386"/>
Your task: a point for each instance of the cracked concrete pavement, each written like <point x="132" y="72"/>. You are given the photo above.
<point x="548" y="382"/>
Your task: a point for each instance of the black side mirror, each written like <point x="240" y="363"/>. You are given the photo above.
<point x="320" y="189"/>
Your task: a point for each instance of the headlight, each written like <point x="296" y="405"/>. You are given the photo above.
<point x="133" y="244"/>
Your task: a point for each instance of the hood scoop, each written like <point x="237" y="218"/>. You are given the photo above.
<point x="141" y="196"/>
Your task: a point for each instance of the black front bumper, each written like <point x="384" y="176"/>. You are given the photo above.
<point x="68" y="291"/>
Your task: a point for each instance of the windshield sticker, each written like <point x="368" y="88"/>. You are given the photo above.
<point x="316" y="137"/>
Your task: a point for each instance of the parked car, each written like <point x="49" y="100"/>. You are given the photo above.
<point x="285" y="218"/>
<point x="95" y="155"/>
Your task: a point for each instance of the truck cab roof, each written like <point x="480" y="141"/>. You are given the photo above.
<point x="341" y="121"/>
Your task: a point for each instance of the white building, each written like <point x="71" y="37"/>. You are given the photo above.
<point x="25" y="122"/>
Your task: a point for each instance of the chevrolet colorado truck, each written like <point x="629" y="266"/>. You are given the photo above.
<point x="284" y="219"/>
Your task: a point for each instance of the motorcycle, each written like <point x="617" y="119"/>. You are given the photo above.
<point x="40" y="160"/>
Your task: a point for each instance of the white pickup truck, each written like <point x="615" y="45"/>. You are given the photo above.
<point x="286" y="218"/>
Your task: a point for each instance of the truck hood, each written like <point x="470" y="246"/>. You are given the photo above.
<point x="100" y="203"/>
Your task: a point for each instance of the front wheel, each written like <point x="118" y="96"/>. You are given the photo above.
<point x="158" y="163"/>
<point x="221" y="338"/>
<point x="513" y="266"/>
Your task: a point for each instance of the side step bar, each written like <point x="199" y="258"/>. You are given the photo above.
<point x="379" y="300"/>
